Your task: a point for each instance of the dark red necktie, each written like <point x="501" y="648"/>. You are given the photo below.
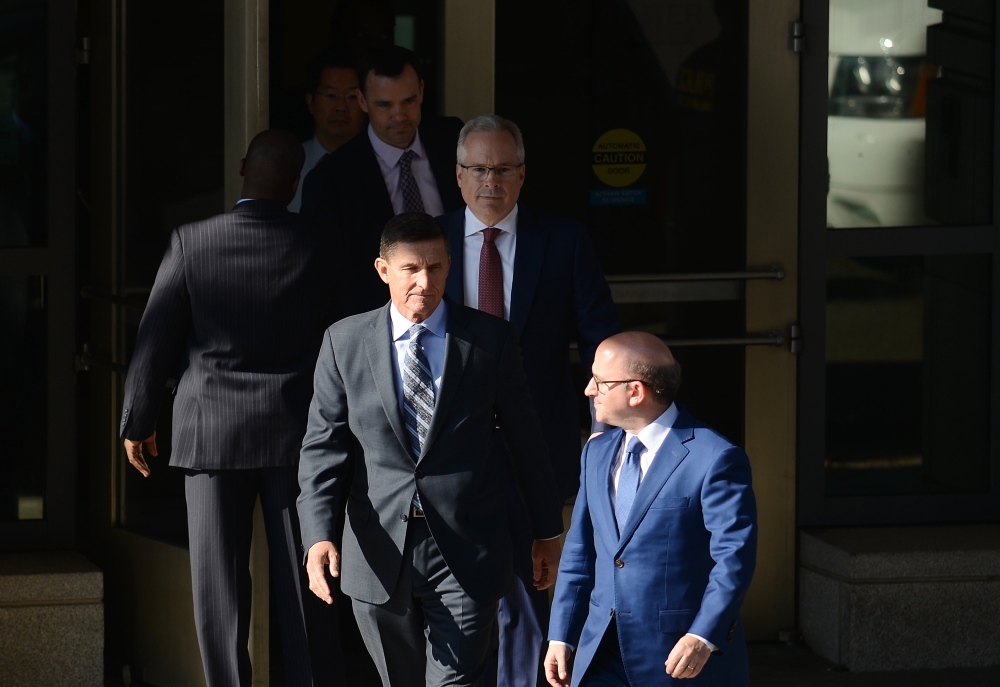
<point x="490" y="274"/>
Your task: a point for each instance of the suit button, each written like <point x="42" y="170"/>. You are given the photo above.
<point x="403" y="517"/>
<point x="619" y="563"/>
<point x="419" y="474"/>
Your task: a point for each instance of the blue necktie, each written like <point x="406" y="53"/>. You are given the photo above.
<point x="628" y="481"/>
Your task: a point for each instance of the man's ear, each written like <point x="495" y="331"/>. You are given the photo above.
<point x="243" y="166"/>
<point x="421" y="92"/>
<point x="295" y="185"/>
<point x="362" y="103"/>
<point x="382" y="267"/>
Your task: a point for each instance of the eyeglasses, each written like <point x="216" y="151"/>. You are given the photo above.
<point x="604" y="385"/>
<point x="501" y="173"/>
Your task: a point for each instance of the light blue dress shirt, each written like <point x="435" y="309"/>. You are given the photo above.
<point x="388" y="161"/>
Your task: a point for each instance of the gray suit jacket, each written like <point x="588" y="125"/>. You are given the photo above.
<point x="355" y="448"/>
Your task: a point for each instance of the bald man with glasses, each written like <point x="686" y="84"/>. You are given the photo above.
<point x="539" y="272"/>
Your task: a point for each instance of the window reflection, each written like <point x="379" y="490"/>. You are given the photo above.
<point x="907" y="375"/>
<point x="910" y="117"/>
<point x="23" y="113"/>
<point x="23" y="382"/>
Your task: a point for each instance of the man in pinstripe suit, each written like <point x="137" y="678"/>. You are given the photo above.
<point x="238" y="306"/>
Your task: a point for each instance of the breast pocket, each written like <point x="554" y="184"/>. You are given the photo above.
<point x="670" y="502"/>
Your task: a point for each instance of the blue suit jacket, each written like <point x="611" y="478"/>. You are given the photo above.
<point x="558" y="295"/>
<point x="682" y="564"/>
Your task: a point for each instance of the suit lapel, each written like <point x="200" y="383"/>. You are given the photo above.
<point x="458" y="346"/>
<point x="370" y="176"/>
<point x="601" y="474"/>
<point x="378" y="347"/>
<point x="670" y="455"/>
<point x="454" y="223"/>
<point x="528" y="258"/>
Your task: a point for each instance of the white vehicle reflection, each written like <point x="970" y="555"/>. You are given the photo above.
<point x="876" y="128"/>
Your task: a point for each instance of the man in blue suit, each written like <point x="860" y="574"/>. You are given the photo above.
<point x="663" y="541"/>
<point x="539" y="272"/>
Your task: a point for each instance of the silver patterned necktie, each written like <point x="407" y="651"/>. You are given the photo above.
<point x="412" y="202"/>
<point x="418" y="391"/>
<point x="628" y="481"/>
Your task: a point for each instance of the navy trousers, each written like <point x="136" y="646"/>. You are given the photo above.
<point x="607" y="668"/>
<point x="524" y="610"/>
<point x="220" y="505"/>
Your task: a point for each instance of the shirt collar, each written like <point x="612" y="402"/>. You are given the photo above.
<point x="653" y="435"/>
<point x="391" y="154"/>
<point x="314" y="147"/>
<point x="436" y="324"/>
<point x="473" y="224"/>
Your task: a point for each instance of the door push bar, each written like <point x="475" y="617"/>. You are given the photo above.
<point x="773" y="273"/>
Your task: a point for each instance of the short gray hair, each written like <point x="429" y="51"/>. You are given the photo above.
<point x="490" y="124"/>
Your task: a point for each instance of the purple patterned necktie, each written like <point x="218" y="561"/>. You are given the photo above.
<point x="490" y="274"/>
<point x="412" y="202"/>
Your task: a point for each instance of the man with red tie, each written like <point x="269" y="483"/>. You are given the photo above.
<point x="539" y="272"/>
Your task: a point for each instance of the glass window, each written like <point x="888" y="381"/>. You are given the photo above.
<point x="634" y="121"/>
<point x="23" y="409"/>
<point x="910" y="122"/>
<point x="23" y="123"/>
<point x="907" y="375"/>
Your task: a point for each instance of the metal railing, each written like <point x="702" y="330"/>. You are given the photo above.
<point x="689" y="287"/>
<point x="91" y="293"/>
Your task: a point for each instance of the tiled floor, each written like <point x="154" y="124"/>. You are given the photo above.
<point x="783" y="665"/>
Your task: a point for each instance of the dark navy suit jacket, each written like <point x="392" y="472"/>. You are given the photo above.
<point x="345" y="198"/>
<point x="239" y="305"/>
<point x="558" y="295"/>
<point x="683" y="562"/>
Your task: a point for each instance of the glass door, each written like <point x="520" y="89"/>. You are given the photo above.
<point x="898" y="378"/>
<point x="37" y="276"/>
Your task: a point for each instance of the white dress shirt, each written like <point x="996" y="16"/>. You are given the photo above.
<point x="388" y="161"/>
<point x="652" y="437"/>
<point x="506" y="243"/>
<point x="314" y="153"/>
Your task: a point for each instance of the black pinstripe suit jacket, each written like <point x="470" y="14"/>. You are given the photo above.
<point x="238" y="308"/>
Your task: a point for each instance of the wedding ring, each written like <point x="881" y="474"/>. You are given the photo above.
<point x="690" y="667"/>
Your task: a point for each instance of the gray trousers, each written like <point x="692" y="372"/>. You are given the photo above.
<point x="430" y="632"/>
<point x="220" y="506"/>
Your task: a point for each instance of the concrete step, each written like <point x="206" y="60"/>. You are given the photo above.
<point x="896" y="598"/>
<point x="51" y="620"/>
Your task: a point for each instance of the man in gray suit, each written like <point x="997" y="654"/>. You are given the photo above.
<point x="406" y="399"/>
<point x="239" y="305"/>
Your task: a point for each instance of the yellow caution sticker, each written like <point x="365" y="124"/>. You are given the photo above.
<point x="619" y="157"/>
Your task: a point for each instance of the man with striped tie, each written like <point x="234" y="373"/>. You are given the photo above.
<point x="663" y="542"/>
<point x="406" y="400"/>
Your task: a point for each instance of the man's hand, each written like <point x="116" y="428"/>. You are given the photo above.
<point x="558" y="665"/>
<point x="687" y="658"/>
<point x="545" y="562"/>
<point x="322" y="554"/>
<point x="134" y="451"/>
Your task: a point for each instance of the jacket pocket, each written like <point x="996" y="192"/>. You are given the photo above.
<point x="677" y="622"/>
<point x="671" y="502"/>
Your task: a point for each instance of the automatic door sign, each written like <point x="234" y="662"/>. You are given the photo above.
<point x="619" y="159"/>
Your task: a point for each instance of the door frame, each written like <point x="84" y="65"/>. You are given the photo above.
<point x="56" y="263"/>
<point x="817" y="245"/>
